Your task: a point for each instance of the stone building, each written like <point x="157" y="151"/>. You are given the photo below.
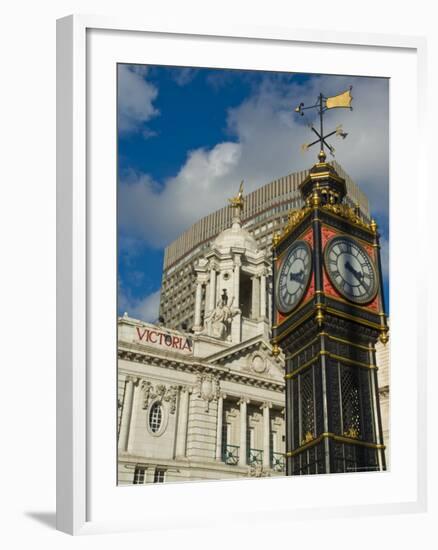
<point x="206" y="404"/>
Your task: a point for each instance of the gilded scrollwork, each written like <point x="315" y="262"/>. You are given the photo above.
<point x="295" y="217"/>
<point x="349" y="213"/>
<point x="352" y="433"/>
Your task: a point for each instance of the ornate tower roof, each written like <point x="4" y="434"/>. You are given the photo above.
<point x="235" y="236"/>
<point x="323" y="179"/>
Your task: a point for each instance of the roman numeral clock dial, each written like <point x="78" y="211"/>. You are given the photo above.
<point x="293" y="276"/>
<point x="350" y="270"/>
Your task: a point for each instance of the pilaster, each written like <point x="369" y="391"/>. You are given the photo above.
<point x="243" y="451"/>
<point x="266" y="406"/>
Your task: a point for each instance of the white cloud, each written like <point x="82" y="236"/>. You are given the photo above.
<point x="145" y="308"/>
<point x="184" y="75"/>
<point x="135" y="99"/>
<point x="265" y="139"/>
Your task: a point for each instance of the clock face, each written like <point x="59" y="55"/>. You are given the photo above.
<point x="350" y="269"/>
<point x="293" y="276"/>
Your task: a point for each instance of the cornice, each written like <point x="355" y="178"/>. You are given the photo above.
<point x="197" y="367"/>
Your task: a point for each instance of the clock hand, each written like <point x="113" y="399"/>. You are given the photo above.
<point x="357" y="274"/>
<point x="298" y="277"/>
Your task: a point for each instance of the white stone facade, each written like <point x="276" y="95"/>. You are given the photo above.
<point x="208" y="404"/>
<point x="221" y="416"/>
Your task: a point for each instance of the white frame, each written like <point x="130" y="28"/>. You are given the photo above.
<point x="72" y="381"/>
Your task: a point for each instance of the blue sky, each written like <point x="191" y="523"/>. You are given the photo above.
<point x="188" y="136"/>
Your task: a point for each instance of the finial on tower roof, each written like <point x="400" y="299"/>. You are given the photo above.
<point x="237" y="207"/>
<point x="238" y="201"/>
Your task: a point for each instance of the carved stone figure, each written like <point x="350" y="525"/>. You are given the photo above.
<point x="217" y="323"/>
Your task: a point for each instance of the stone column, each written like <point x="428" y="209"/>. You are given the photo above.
<point x="133" y="419"/>
<point x="255" y="307"/>
<point x="212" y="296"/>
<point x="243" y="429"/>
<point x="270" y="305"/>
<point x="198" y="299"/>
<point x="207" y="297"/>
<point x="126" y="414"/>
<point x="266" y="435"/>
<point x="181" y="436"/>
<point x="236" y="286"/>
<point x="219" y="427"/>
<point x="236" y="326"/>
<point x="263" y="296"/>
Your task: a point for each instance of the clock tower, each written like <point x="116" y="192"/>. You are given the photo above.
<point x="328" y="313"/>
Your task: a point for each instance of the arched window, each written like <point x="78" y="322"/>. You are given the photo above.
<point x="155" y="417"/>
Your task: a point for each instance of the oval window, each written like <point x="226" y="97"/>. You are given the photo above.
<point x="155" y="417"/>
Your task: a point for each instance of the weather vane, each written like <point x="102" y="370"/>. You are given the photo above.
<point x="322" y="104"/>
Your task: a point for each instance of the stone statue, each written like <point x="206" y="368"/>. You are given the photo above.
<point x="218" y="322"/>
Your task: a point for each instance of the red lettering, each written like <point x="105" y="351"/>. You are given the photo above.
<point x="141" y="334"/>
<point x="175" y="342"/>
<point x="150" y="337"/>
<point x="187" y="345"/>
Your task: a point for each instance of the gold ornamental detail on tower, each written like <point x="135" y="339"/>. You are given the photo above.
<point x="352" y="433"/>
<point x="294" y="218"/>
<point x="307" y="438"/>
<point x="349" y="213"/>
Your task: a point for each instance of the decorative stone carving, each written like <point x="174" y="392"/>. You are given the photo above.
<point x="258" y="363"/>
<point x="277" y="420"/>
<point x="171" y="396"/>
<point x="207" y="388"/>
<point x="257" y="470"/>
<point x="161" y="392"/>
<point x="230" y="414"/>
<point x="147" y="393"/>
<point x="254" y="419"/>
<point x="218" y="322"/>
<point x="243" y="400"/>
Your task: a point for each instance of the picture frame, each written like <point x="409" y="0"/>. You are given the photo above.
<point x="88" y="500"/>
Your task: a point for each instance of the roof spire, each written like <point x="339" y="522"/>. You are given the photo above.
<point x="322" y="104"/>
<point x="323" y="178"/>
